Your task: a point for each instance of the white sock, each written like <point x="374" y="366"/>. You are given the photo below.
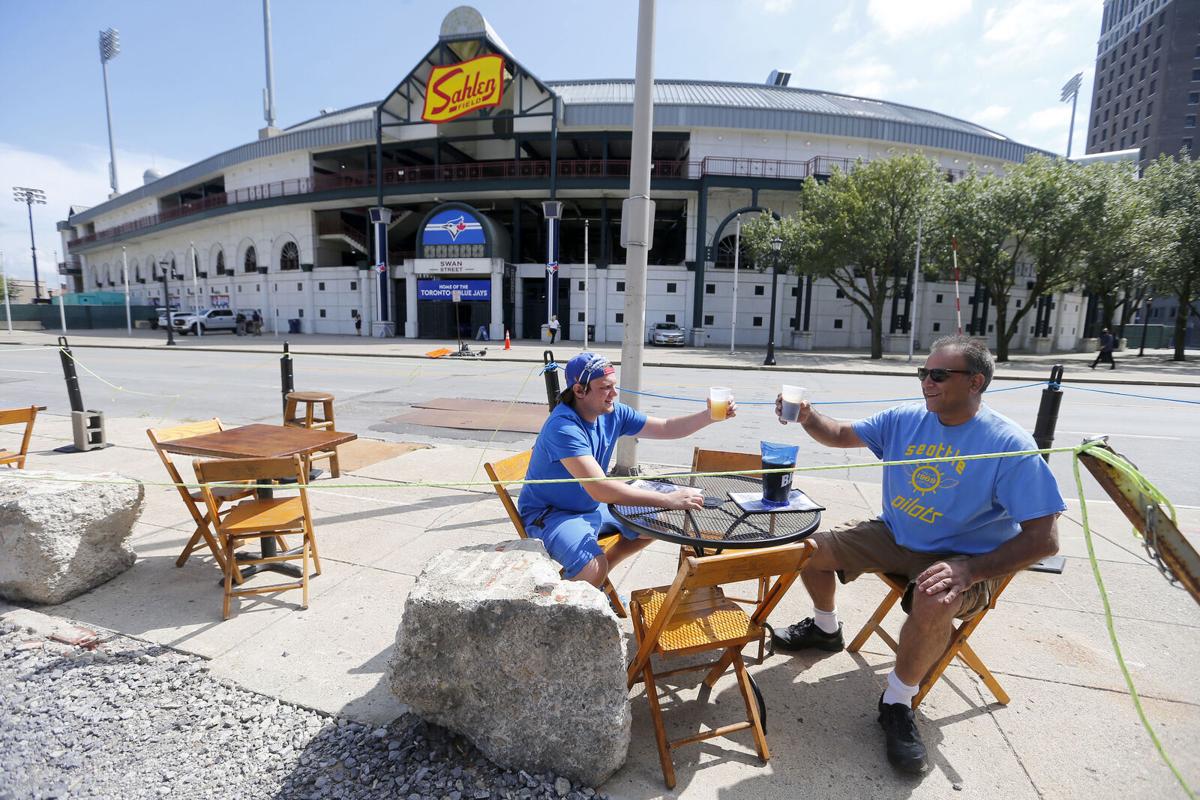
<point x="898" y="691"/>
<point x="827" y="621"/>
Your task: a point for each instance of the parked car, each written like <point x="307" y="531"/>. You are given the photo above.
<point x="667" y="333"/>
<point x="161" y="321"/>
<point x="207" y="321"/>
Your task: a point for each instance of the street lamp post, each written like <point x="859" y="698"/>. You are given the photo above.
<point x="166" y="279"/>
<point x="110" y="46"/>
<point x="1145" y="324"/>
<point x="381" y="217"/>
<point x="553" y="211"/>
<point x="776" y="246"/>
<point x="23" y="194"/>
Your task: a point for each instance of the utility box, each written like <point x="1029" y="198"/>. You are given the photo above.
<point x="87" y="428"/>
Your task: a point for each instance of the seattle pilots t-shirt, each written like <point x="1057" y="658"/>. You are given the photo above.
<point x="967" y="507"/>
<point x="566" y="435"/>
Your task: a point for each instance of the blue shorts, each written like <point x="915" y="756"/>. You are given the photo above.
<point x="570" y="537"/>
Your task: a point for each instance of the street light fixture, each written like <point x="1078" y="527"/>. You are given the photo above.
<point x="23" y="194"/>
<point x="1070" y="90"/>
<point x="110" y="46"/>
<point x="166" y="279"/>
<point x="776" y="246"/>
<point x="552" y="209"/>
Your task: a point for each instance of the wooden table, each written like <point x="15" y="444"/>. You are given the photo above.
<point x="260" y="441"/>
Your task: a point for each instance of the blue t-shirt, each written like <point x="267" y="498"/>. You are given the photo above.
<point x="967" y="507"/>
<point x="566" y="435"/>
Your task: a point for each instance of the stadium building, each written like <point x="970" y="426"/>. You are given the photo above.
<point x="462" y="154"/>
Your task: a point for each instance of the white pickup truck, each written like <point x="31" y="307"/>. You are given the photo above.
<point x="207" y="321"/>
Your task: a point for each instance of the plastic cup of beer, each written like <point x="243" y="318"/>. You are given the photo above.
<point x="793" y="396"/>
<point x="718" y="401"/>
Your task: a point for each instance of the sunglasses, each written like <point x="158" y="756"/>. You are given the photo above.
<point x="939" y="375"/>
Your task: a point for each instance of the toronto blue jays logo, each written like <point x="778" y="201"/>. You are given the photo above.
<point x="453" y="226"/>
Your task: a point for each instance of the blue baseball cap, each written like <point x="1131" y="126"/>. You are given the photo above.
<point x="587" y="367"/>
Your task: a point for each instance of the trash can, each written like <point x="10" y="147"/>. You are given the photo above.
<point x="294" y="325"/>
<point x="545" y="333"/>
<point x="591" y="331"/>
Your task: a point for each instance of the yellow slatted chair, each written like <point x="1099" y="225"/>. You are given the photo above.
<point x="956" y="647"/>
<point x="17" y="416"/>
<point x="728" y="461"/>
<point x="692" y="615"/>
<point x="514" y="468"/>
<point x="253" y="519"/>
<point x="193" y="498"/>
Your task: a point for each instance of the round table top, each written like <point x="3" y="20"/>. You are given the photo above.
<point x="721" y="527"/>
<point x="309" y="397"/>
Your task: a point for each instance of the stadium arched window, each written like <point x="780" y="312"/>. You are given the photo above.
<point x="250" y="263"/>
<point x="289" y="257"/>
<point x="220" y="262"/>
<point x="725" y="248"/>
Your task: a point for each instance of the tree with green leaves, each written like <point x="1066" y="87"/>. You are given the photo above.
<point x="1170" y="232"/>
<point x="858" y="229"/>
<point x="9" y="289"/>
<point x="1114" y="269"/>
<point x="1041" y="213"/>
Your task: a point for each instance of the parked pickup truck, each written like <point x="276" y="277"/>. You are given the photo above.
<point x="207" y="321"/>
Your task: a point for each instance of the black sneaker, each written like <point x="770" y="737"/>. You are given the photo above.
<point x="905" y="750"/>
<point x="805" y="635"/>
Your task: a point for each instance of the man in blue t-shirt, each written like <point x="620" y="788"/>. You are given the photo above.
<point x="578" y="441"/>
<point x="956" y="529"/>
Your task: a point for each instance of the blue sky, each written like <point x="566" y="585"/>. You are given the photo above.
<point x="188" y="82"/>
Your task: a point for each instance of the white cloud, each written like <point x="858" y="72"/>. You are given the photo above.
<point x="1048" y="119"/>
<point x="900" y="19"/>
<point x="1029" y="30"/>
<point x="777" y="6"/>
<point x="841" y="23"/>
<point x="82" y="181"/>
<point x="865" y="78"/>
<point x="991" y="115"/>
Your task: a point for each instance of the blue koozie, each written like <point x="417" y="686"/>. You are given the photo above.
<point x="777" y="486"/>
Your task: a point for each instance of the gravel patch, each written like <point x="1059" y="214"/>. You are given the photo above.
<point x="134" y="720"/>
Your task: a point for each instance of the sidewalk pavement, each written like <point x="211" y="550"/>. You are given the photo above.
<point x="1155" y="368"/>
<point x="1070" y="730"/>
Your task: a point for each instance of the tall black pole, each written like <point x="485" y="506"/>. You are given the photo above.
<point x="769" y="361"/>
<point x="1145" y="322"/>
<point x="167" y="302"/>
<point x="37" y="287"/>
<point x="1047" y="417"/>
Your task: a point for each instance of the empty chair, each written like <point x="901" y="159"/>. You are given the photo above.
<point x="254" y="519"/>
<point x="693" y="615"/>
<point x="193" y="499"/>
<point x="18" y="416"/>
<point x="306" y="418"/>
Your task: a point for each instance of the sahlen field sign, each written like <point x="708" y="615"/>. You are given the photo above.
<point x="458" y="89"/>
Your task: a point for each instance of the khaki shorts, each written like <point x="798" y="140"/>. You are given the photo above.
<point x="869" y="546"/>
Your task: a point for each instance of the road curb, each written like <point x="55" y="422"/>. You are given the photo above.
<point x="882" y="371"/>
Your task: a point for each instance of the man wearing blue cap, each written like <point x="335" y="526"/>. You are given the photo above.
<point x="578" y="441"/>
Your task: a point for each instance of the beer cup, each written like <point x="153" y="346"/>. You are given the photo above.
<point x="793" y="396"/>
<point x="718" y="401"/>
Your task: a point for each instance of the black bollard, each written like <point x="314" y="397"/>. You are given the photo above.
<point x="286" y="379"/>
<point x="1047" y="417"/>
<point x="551" y="376"/>
<point x="68" y="365"/>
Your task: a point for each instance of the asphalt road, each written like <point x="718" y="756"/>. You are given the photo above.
<point x="244" y="387"/>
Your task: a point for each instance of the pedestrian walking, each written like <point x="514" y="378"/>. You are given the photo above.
<point x="256" y="322"/>
<point x="554" y="328"/>
<point x="357" y="324"/>
<point x="1107" y="343"/>
<point x="241" y="324"/>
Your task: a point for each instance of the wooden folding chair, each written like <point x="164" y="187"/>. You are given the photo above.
<point x="728" y="461"/>
<point x="15" y="416"/>
<point x="957" y="646"/>
<point x="514" y="468"/>
<point x="253" y="519"/>
<point x="193" y="498"/>
<point x="692" y="615"/>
